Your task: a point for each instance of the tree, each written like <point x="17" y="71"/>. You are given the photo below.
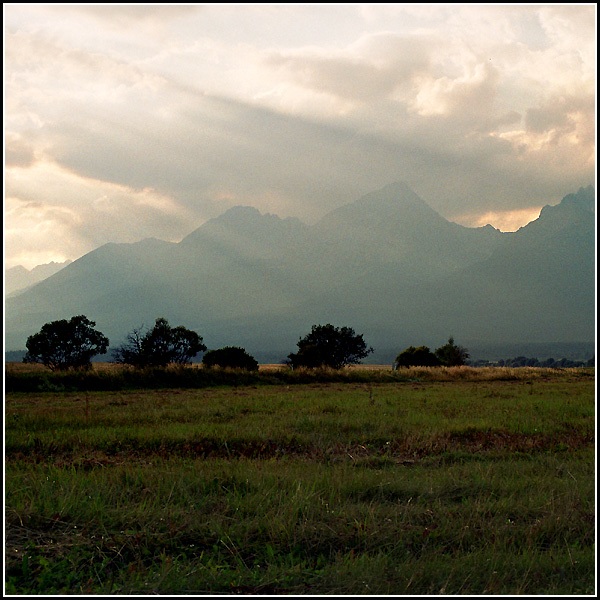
<point x="159" y="346"/>
<point x="420" y="356"/>
<point x="185" y="344"/>
<point x="451" y="355"/>
<point x="130" y="353"/>
<point x="62" y="345"/>
<point x="329" y="346"/>
<point x="231" y="357"/>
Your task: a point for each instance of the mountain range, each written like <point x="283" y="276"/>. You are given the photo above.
<point x="387" y="265"/>
<point x="16" y="279"/>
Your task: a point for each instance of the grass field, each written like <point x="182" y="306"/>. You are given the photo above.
<point x="436" y="482"/>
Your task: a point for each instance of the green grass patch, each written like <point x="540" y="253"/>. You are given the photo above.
<point x="442" y="487"/>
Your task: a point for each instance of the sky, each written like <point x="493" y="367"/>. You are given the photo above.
<point x="123" y="122"/>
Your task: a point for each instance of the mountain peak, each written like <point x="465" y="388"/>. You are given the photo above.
<point x="239" y="212"/>
<point x="394" y="203"/>
<point x="577" y="205"/>
<point x="397" y="194"/>
<point x="18" y="278"/>
<point x="399" y="190"/>
<point x="584" y="198"/>
<point x="244" y="221"/>
<point x="245" y="233"/>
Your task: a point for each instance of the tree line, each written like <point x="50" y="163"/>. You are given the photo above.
<point x="71" y="344"/>
<point x="524" y="361"/>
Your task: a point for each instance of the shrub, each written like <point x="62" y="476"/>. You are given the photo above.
<point x="230" y="357"/>
<point x="420" y="356"/>
<point x="451" y="355"/>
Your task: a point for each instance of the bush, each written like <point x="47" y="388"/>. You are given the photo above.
<point x="420" y="356"/>
<point x="451" y="355"/>
<point x="230" y="357"/>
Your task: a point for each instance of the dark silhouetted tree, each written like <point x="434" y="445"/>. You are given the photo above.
<point x="185" y="345"/>
<point x="329" y="346"/>
<point x="230" y="357"/>
<point x="420" y="356"/>
<point x="160" y="346"/>
<point x="62" y="345"/>
<point x="130" y="352"/>
<point x="451" y="355"/>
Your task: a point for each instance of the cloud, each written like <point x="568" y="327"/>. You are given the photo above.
<point x="508" y="220"/>
<point x="564" y="115"/>
<point x="17" y="152"/>
<point x="130" y="121"/>
<point x="369" y="70"/>
<point x="79" y="214"/>
<point x="128" y="16"/>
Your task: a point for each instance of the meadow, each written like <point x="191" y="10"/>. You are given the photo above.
<point x="365" y="482"/>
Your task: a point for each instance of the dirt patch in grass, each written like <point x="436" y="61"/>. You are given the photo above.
<point x="395" y="451"/>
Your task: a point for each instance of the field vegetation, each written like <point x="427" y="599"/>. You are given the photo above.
<point x="20" y="377"/>
<point x="364" y="481"/>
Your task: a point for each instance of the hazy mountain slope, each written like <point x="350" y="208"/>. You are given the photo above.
<point x="389" y="233"/>
<point x="387" y="265"/>
<point x="536" y="286"/>
<point x="542" y="283"/>
<point x="243" y="231"/>
<point x="19" y="278"/>
<point x="107" y="285"/>
<point x="394" y="226"/>
<point x="230" y="267"/>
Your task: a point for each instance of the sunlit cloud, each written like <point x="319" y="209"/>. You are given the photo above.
<point x="79" y="214"/>
<point x="508" y="220"/>
<point x="36" y="233"/>
<point x="147" y="120"/>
